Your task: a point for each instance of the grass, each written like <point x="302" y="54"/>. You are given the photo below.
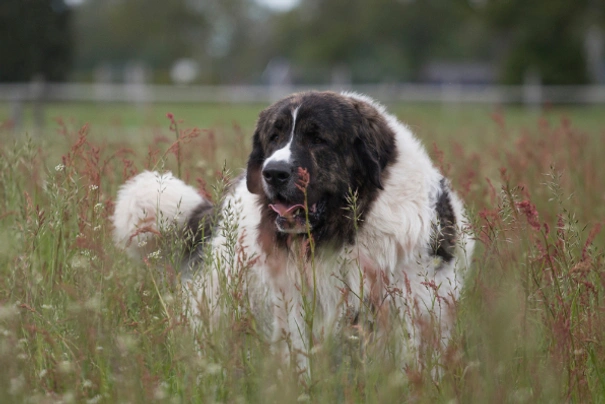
<point x="80" y="322"/>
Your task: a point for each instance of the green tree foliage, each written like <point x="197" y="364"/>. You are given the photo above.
<point x="155" y="32"/>
<point x="374" y="41"/>
<point x="227" y="37"/>
<point x="241" y="41"/>
<point x="378" y="40"/>
<point x="545" y="36"/>
<point x="35" y="39"/>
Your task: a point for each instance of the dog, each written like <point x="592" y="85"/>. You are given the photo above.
<point x="340" y="213"/>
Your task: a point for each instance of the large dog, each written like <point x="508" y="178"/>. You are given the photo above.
<point x="340" y="213"/>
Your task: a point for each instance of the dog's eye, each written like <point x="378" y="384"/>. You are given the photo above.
<point x="273" y="138"/>
<point x="316" y="139"/>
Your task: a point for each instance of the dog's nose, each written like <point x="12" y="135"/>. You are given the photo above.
<point x="277" y="173"/>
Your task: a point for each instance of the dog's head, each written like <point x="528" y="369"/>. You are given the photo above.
<point x="325" y="145"/>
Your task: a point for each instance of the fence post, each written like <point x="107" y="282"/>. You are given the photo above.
<point x="532" y="89"/>
<point x="136" y="76"/>
<point x="16" y="103"/>
<point x="102" y="83"/>
<point x="37" y="90"/>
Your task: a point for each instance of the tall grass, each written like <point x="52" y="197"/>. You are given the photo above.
<point x="79" y="322"/>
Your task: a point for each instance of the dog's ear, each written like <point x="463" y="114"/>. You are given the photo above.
<point x="374" y="142"/>
<point x="255" y="163"/>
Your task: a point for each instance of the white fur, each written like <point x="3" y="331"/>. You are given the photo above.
<point x="393" y="241"/>
<point x="285" y="153"/>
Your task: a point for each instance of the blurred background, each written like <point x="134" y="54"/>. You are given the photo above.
<point x="446" y="51"/>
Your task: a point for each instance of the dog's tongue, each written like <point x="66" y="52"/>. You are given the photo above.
<point x="285" y="210"/>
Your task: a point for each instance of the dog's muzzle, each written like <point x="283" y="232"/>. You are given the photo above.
<point x="280" y="186"/>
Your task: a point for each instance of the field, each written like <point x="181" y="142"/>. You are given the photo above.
<point x="80" y="322"/>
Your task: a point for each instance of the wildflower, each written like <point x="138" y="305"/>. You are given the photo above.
<point x="95" y="399"/>
<point x="126" y="342"/>
<point x="303" y="398"/>
<point x="65" y="367"/>
<point x="7" y="312"/>
<point x="155" y="255"/>
<point x="160" y="392"/>
<point x="530" y="212"/>
<point x="213" y="368"/>
<point x="94" y="303"/>
<point x="397" y="379"/>
<point x="304" y="179"/>
<point x="59" y="167"/>
<point x="93" y="187"/>
<point x="69" y="397"/>
<point x="16" y="385"/>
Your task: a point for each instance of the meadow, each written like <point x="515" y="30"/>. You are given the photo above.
<point x="81" y="322"/>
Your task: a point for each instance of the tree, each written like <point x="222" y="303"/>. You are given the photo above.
<point x="224" y="36"/>
<point x="155" y="32"/>
<point x="377" y="40"/>
<point x="35" y="39"/>
<point x="545" y="36"/>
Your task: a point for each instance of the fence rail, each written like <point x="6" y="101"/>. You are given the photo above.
<point x="428" y="93"/>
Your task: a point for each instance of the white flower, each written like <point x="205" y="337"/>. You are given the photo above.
<point x="95" y="399"/>
<point x="160" y="392"/>
<point x="59" y="167"/>
<point x="8" y="312"/>
<point x="155" y="255"/>
<point x="16" y="385"/>
<point x="303" y="398"/>
<point x="213" y="368"/>
<point x="65" y="367"/>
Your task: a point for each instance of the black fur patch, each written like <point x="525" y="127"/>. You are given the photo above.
<point x="343" y="143"/>
<point x="199" y="227"/>
<point x="444" y="231"/>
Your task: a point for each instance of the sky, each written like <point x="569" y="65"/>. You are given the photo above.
<point x="278" y="5"/>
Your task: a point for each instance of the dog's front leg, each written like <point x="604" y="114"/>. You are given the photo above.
<point x="290" y="333"/>
<point x="202" y="299"/>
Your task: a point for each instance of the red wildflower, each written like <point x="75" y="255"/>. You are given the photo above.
<point x="530" y="212"/>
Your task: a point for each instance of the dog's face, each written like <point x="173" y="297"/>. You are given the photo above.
<point x="319" y="143"/>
